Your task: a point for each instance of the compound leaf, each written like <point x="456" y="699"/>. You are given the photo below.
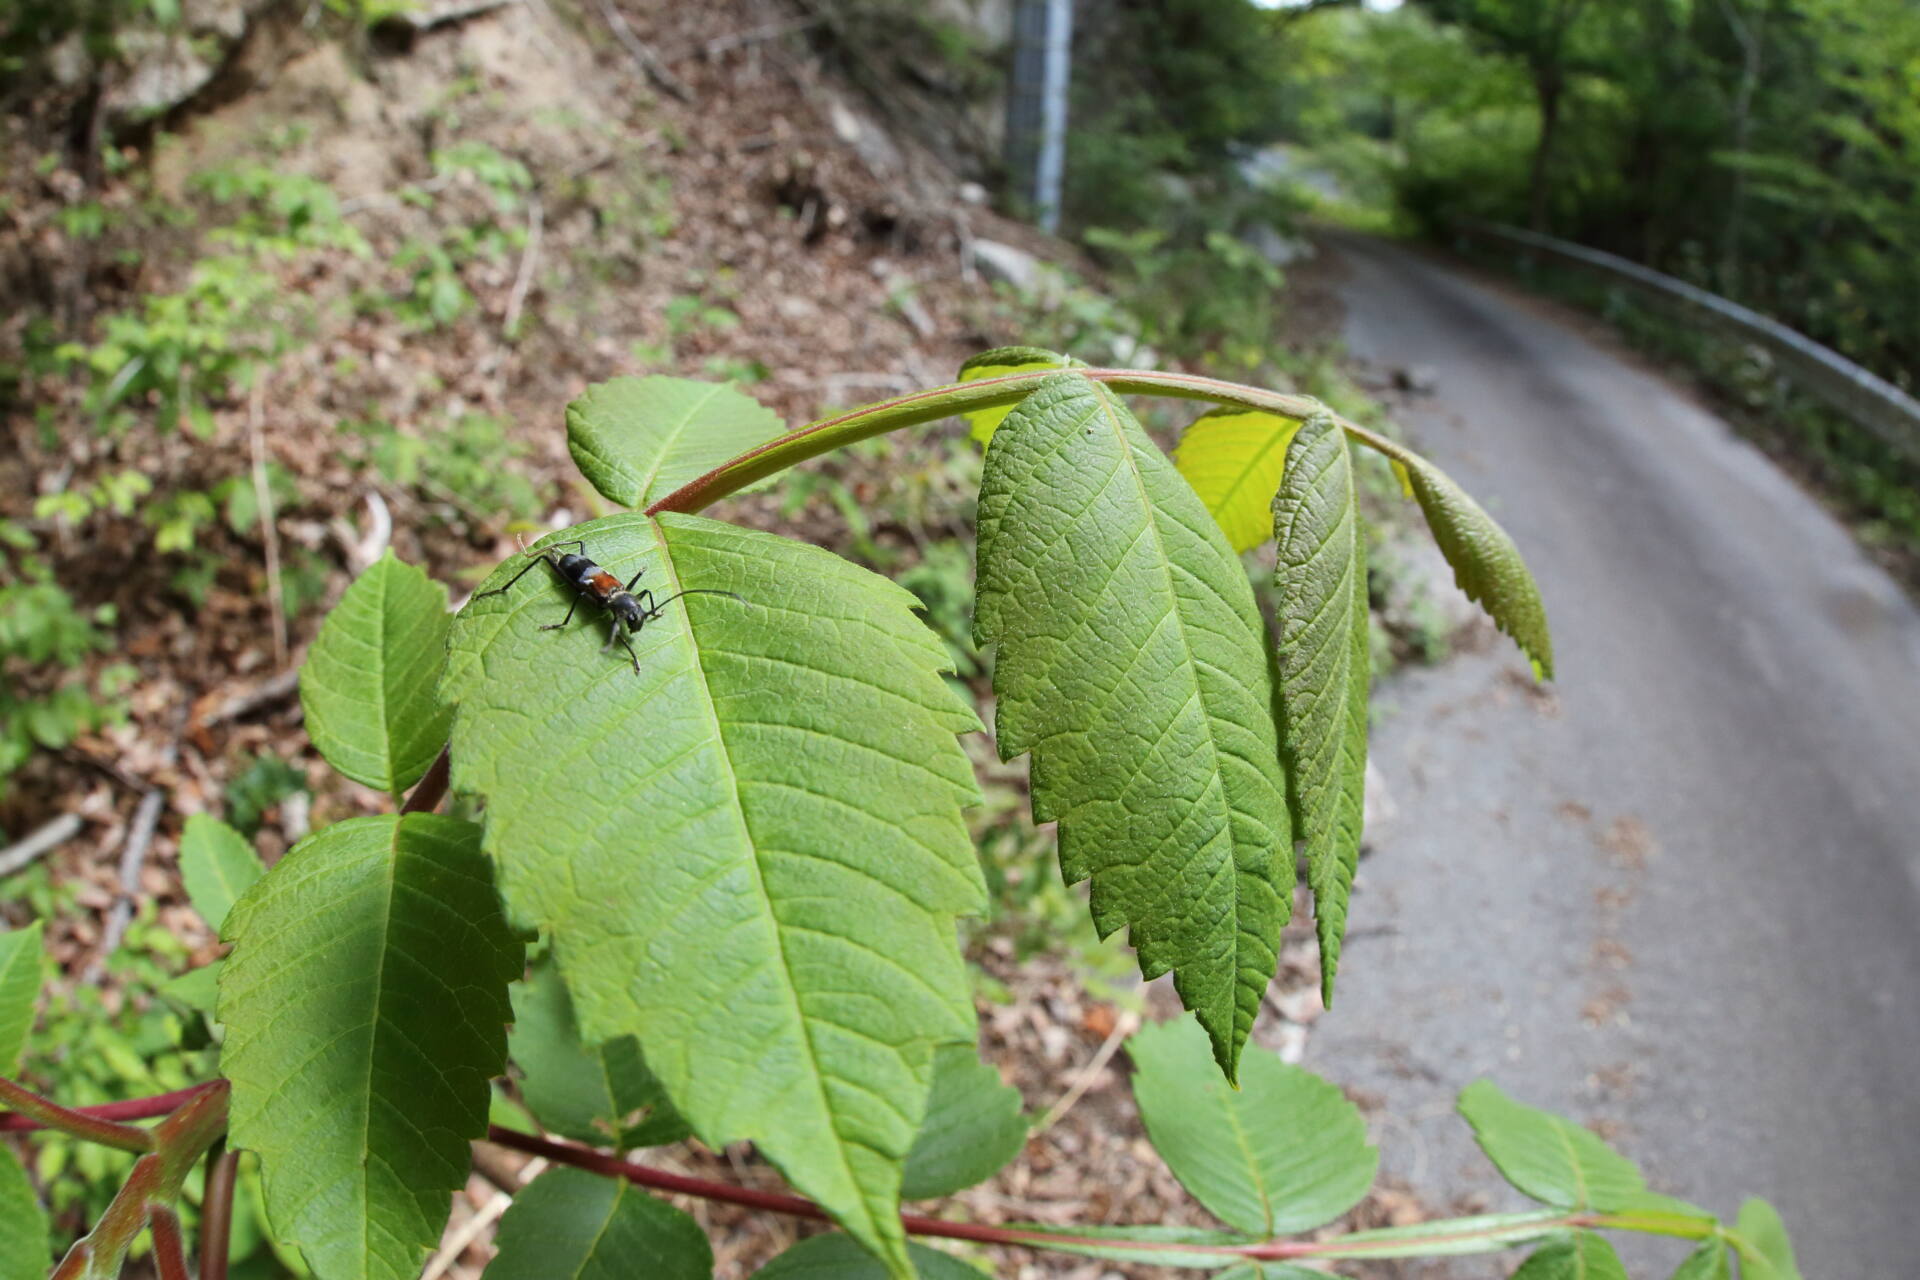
<point x="638" y="439"/>
<point x="1581" y="1256"/>
<point x="601" y="1094"/>
<point x="1284" y="1152"/>
<point x="837" y="1257"/>
<point x="973" y="1126"/>
<point x="997" y="363"/>
<point x="568" y="1224"/>
<point x="366" y="1005"/>
<point x="1133" y="664"/>
<point x="1554" y="1160"/>
<point x="218" y="865"/>
<point x="1485" y="562"/>
<point x="1761" y="1238"/>
<point x="1321" y="579"/>
<point x="367" y="686"/>
<point x="1234" y="458"/>
<point x="25" y="1249"/>
<point x="750" y="853"/>
<point x="22" y="964"/>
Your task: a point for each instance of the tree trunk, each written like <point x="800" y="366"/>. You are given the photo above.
<point x="1547" y="86"/>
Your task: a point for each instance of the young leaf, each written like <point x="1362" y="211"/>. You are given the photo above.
<point x="367" y="686"/>
<point x="568" y="1224"/>
<point x="1554" y="1160"/>
<point x="365" y="1003"/>
<point x="1133" y="664"/>
<point x="1581" y="1256"/>
<point x="22" y="963"/>
<point x="1485" y="562"/>
<point x="25" y="1249"/>
<point x="837" y="1257"/>
<point x="1708" y="1262"/>
<point x="1283" y="1153"/>
<point x="973" y="1127"/>
<point x="218" y="865"/>
<point x="1000" y="361"/>
<point x="599" y="1094"/>
<point x="764" y="885"/>
<point x="1765" y="1251"/>
<point x="1321" y="577"/>
<point x="638" y="439"/>
<point x="1233" y="458"/>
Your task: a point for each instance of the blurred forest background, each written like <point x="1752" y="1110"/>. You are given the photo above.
<point x="284" y="283"/>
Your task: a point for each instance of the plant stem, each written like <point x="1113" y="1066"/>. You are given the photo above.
<point x="51" y="1115"/>
<point x="931" y="405"/>
<point x="216" y="1212"/>
<point x="432" y="787"/>
<point x="132" y="1109"/>
<point x="169" y="1247"/>
<point x="1359" y="1245"/>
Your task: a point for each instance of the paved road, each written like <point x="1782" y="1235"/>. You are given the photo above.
<point x="1680" y="895"/>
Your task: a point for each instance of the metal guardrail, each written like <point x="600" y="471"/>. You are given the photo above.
<point x="1861" y="395"/>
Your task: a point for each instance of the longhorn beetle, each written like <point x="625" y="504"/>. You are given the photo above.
<point x="590" y="582"/>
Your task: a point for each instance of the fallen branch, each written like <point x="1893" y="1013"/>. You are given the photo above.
<point x="265" y="694"/>
<point x="529" y="259"/>
<point x="646" y="59"/>
<point x="42" y="840"/>
<point x="263" y="500"/>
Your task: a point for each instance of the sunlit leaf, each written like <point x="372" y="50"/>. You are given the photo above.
<point x="750" y="853"/>
<point x="1233" y="458"/>
<point x="639" y="439"/>
<point x="997" y="363"/>
<point x="218" y="865"/>
<point x="1765" y="1251"/>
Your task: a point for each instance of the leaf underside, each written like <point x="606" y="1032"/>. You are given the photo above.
<point x="1234" y="458"/>
<point x="366" y="1007"/>
<point x="639" y="439"/>
<point x="1321" y="579"/>
<point x="22" y="960"/>
<point x="1284" y="1153"/>
<point x="750" y="854"/>
<point x="598" y="1094"/>
<point x="1765" y="1251"/>
<point x="568" y="1224"/>
<point x="1132" y="663"/>
<point x="218" y="865"/>
<point x="1556" y="1161"/>
<point x="1486" y="564"/>
<point x="367" y="686"/>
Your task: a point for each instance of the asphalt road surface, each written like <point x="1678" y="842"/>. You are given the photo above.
<point x="1677" y="895"/>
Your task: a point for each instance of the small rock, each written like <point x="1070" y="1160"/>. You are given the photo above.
<point x="1417" y="379"/>
<point x="971" y="193"/>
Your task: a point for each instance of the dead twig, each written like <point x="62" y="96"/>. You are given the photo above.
<point x="1123" y="1026"/>
<point x="263" y="499"/>
<point x="41" y="841"/>
<point x="266" y="694"/>
<point x="529" y="259"/>
<point x="133" y="858"/>
<point x="646" y="59"/>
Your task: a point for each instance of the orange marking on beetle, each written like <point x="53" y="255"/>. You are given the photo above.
<point x="604" y="583"/>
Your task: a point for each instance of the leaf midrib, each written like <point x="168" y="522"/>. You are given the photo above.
<point x="738" y="809"/>
<point x="666" y="446"/>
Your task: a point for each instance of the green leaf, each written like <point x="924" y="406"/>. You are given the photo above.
<point x="1485" y="562"/>
<point x="997" y="363"/>
<point x="1271" y="1271"/>
<point x="837" y="1257"/>
<point x="1581" y="1256"/>
<point x="568" y="1224"/>
<point x="22" y="964"/>
<point x="365" y="1003"/>
<point x="367" y="686"/>
<point x="1708" y="1262"/>
<point x="1554" y="1160"/>
<point x="196" y="989"/>
<point x="1321" y="578"/>
<point x="1133" y="664"/>
<point x="1234" y="458"/>
<point x="218" y="865"/>
<point x="25" y="1249"/>
<point x="1765" y="1251"/>
<point x="751" y="853"/>
<point x="1284" y="1152"/>
<point x="973" y="1127"/>
<point x="639" y="439"/>
<point x="599" y="1094"/>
